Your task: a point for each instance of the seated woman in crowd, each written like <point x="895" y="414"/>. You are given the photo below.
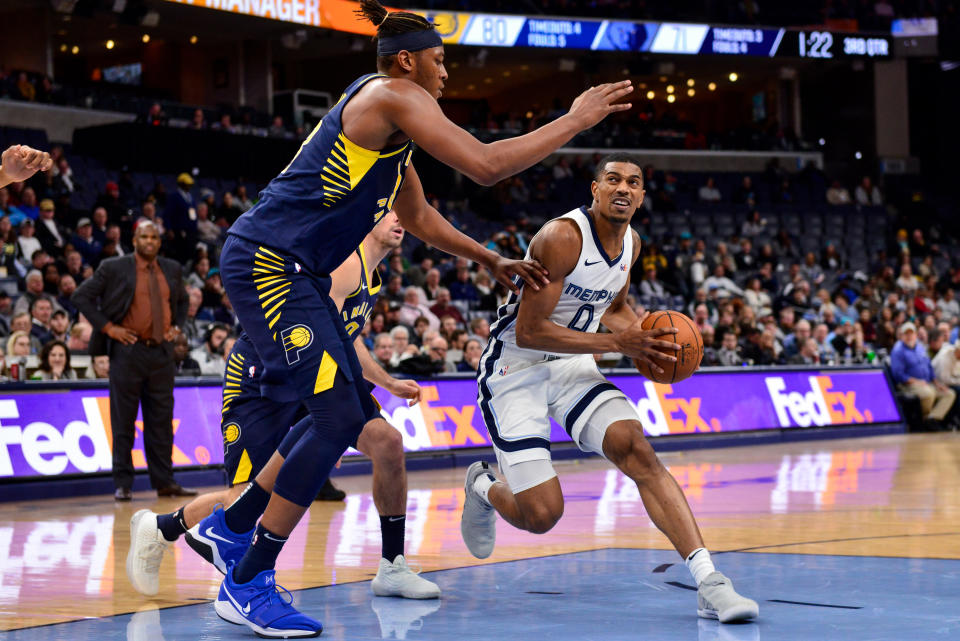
<point x="18" y="344"/>
<point x="54" y="363"/>
<point x="471" y="356"/>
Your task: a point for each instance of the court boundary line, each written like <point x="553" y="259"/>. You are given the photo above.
<point x="659" y="569"/>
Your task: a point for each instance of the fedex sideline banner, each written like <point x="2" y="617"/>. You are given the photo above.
<point x="710" y="402"/>
<point x="49" y="432"/>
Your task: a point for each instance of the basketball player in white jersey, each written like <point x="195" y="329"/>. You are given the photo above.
<point x="539" y="365"/>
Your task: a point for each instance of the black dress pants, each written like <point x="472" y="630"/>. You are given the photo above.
<point x="142" y="376"/>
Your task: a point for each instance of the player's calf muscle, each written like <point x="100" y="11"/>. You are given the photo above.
<point x="625" y="447"/>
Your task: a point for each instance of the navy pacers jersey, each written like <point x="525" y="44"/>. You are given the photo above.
<point x="358" y="305"/>
<point x="329" y="197"/>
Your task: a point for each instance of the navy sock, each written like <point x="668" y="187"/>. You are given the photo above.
<point x="172" y="525"/>
<point x="392" y="531"/>
<point x="261" y="555"/>
<point x="247" y="509"/>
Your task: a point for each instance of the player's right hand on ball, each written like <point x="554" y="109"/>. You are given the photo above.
<point x="645" y="345"/>
<point x="596" y="103"/>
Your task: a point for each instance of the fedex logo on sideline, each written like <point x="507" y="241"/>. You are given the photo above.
<point x="819" y="405"/>
<point x="660" y="414"/>
<point x="47" y="449"/>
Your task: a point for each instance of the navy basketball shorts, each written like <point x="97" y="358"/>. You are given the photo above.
<point x="252" y="425"/>
<point x="292" y="322"/>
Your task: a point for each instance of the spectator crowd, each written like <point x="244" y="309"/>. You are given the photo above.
<point x="758" y="295"/>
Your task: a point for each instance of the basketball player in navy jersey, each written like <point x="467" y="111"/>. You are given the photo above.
<point x="254" y="430"/>
<point x="539" y="365"/>
<point x="275" y="265"/>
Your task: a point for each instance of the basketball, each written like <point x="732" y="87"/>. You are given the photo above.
<point x="299" y="336"/>
<point x="691" y="347"/>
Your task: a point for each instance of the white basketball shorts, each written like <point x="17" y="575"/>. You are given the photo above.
<point x="519" y="394"/>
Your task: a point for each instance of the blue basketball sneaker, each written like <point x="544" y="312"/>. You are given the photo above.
<point x="215" y="542"/>
<point x="264" y="607"/>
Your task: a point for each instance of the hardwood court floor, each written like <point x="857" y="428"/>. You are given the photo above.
<point x="894" y="496"/>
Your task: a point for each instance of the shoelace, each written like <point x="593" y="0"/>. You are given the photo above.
<point x="415" y="569"/>
<point x="152" y="555"/>
<point x="278" y="593"/>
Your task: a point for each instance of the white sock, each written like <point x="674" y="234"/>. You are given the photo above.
<point x="700" y="564"/>
<point x="482" y="486"/>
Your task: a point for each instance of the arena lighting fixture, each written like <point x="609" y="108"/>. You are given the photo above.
<point x="650" y="95"/>
<point x="193" y="40"/>
<point x="63" y="48"/>
<point x="733" y="76"/>
<point x="691" y="92"/>
<point x="712" y="86"/>
<point x="671" y="98"/>
<point x="663" y="78"/>
<point x="669" y="88"/>
<point x="506" y="74"/>
<point x="111" y="44"/>
<point x="75" y="50"/>
<point x="145" y="38"/>
<point x="858" y="155"/>
<point x="691" y="82"/>
<point x="822" y="142"/>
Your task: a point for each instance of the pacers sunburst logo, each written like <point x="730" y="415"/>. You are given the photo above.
<point x="231" y="434"/>
<point x="295" y="340"/>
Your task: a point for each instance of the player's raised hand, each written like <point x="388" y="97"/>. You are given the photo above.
<point x="405" y="388"/>
<point x="532" y="272"/>
<point x="643" y="345"/>
<point x="596" y="103"/>
<point x="19" y="162"/>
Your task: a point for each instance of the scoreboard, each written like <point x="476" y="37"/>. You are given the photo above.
<point x="498" y="30"/>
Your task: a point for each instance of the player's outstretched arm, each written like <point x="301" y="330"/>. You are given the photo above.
<point x="19" y="162"/>
<point x="426" y="223"/>
<point x="373" y="372"/>
<point x="412" y="110"/>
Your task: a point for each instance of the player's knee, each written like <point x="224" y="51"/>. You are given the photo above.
<point x="542" y="518"/>
<point x="387" y="445"/>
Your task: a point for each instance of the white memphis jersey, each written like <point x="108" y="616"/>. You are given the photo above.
<point x="587" y="291"/>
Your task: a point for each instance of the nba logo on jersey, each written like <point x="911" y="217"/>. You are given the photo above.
<point x="253" y="371"/>
<point x="503" y="370"/>
<point x="623" y="267"/>
<point x="296" y="266"/>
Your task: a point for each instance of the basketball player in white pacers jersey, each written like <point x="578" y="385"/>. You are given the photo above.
<point x="539" y="365"/>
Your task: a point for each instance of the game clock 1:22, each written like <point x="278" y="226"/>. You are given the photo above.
<point x="827" y="45"/>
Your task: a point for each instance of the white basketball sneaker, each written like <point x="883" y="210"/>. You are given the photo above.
<point x="716" y="599"/>
<point x="147" y="546"/>
<point x="397" y="579"/>
<point x="478" y="522"/>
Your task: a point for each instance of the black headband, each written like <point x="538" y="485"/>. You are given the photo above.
<point x="410" y="41"/>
